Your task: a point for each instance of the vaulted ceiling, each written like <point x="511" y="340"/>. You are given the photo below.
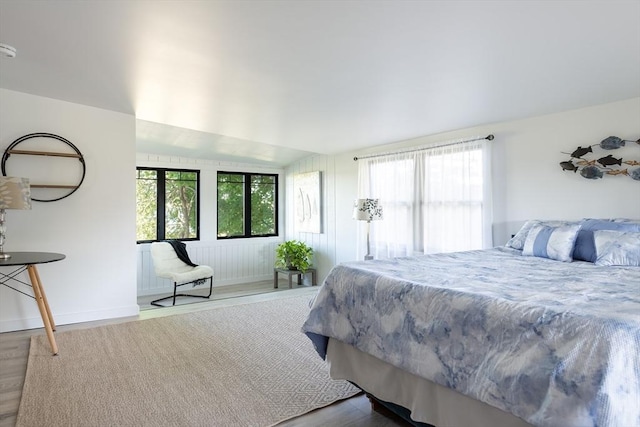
<point x="273" y="81"/>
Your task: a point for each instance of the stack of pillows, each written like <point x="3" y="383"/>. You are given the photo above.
<point x="600" y="241"/>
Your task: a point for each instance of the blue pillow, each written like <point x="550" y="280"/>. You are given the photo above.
<point x="585" y="248"/>
<point x="551" y="242"/>
<point x="617" y="248"/>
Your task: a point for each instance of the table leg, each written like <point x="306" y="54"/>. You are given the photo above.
<point x="290" y="280"/>
<point x="43" y="306"/>
<point x="44" y="298"/>
<point x="275" y="279"/>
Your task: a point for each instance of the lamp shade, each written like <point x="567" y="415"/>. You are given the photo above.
<point x="15" y="193"/>
<point x="367" y="210"/>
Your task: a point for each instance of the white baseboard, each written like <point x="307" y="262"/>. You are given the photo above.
<point x="69" y="318"/>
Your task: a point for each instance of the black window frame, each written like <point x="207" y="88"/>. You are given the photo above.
<point x="247" y="205"/>
<point x="160" y="208"/>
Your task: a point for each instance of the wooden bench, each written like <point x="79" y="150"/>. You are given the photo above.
<point x="291" y="273"/>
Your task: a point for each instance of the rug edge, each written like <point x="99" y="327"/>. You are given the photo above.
<point x="24" y="380"/>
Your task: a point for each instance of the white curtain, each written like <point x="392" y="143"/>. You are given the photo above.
<point x="434" y="199"/>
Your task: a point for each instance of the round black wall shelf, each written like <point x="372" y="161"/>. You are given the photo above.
<point x="12" y="150"/>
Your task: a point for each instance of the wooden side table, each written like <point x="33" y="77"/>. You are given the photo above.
<point x="291" y="273"/>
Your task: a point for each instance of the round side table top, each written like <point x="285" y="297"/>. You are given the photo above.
<point x="26" y="258"/>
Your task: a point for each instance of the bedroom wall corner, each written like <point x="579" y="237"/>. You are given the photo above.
<point x="327" y="243"/>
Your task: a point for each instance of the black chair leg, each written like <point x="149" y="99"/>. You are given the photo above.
<point x="210" y="287"/>
<point x="175" y="287"/>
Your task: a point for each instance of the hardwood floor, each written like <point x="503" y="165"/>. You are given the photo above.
<point x="14" y="351"/>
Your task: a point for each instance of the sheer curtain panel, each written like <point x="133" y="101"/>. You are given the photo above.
<point x="435" y="199"/>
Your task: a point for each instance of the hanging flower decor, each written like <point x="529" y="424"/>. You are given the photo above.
<point x="594" y="166"/>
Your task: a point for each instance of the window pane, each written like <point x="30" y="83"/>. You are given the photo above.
<point x="167" y="204"/>
<point x="147" y="174"/>
<point x="146" y="205"/>
<point x="230" y="205"/>
<point x="181" y="198"/>
<point x="188" y="176"/>
<point x="263" y="205"/>
<point x="247" y="205"/>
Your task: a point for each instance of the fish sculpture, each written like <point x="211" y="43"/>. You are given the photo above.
<point x="611" y="143"/>
<point x="591" y="172"/>
<point x="618" y="172"/>
<point x="606" y="165"/>
<point x="609" y="160"/>
<point x="569" y="166"/>
<point x="581" y="152"/>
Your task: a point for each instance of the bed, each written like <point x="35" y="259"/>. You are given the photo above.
<point x="496" y="337"/>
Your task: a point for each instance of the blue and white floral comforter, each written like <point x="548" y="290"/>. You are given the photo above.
<point x="554" y="343"/>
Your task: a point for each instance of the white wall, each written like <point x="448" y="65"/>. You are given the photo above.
<point x="94" y="227"/>
<point x="233" y="260"/>
<point x="534" y="185"/>
<point x="527" y="179"/>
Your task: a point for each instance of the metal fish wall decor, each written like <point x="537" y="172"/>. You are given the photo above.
<point x="600" y="166"/>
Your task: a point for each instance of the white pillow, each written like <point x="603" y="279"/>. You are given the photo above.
<point x="617" y="248"/>
<point x="517" y="241"/>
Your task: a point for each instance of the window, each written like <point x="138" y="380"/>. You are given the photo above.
<point x="434" y="200"/>
<point x="247" y="205"/>
<point x="167" y="204"/>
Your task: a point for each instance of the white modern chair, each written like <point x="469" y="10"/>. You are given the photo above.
<point x="168" y="265"/>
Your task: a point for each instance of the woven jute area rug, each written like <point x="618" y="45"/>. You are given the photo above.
<point x="246" y="365"/>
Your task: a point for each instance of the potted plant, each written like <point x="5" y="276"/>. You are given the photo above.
<point x="294" y="255"/>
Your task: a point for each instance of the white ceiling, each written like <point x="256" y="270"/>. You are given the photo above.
<point x="272" y="81"/>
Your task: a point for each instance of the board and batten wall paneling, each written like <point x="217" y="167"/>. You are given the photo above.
<point x="233" y="262"/>
<point x="323" y="243"/>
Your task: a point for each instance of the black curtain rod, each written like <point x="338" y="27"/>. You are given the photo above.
<point x="426" y="147"/>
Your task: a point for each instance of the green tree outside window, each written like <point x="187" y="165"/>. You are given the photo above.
<point x="167" y="204"/>
<point x="247" y="205"/>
